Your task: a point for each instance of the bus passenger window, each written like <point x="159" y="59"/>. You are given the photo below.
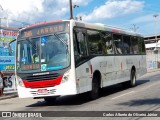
<point x="118" y="43"/>
<point x="135" y="45"/>
<point x="141" y="45"/>
<point x="107" y="43"/>
<point x="127" y="45"/>
<point x="95" y="42"/>
<point x="76" y="52"/>
<point x="81" y="43"/>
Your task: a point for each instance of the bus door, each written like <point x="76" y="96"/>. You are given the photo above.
<point x="108" y="51"/>
<point x="119" y="59"/>
<point x="81" y="59"/>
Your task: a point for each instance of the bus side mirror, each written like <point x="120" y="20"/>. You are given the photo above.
<point x="10" y="48"/>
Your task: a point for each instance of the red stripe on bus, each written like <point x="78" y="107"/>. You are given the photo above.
<point x="115" y="31"/>
<point x="43" y="83"/>
<point x="44" y="23"/>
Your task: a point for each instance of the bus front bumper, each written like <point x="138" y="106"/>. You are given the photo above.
<point x="67" y="88"/>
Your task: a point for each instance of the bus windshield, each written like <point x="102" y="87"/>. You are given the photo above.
<point x="46" y="53"/>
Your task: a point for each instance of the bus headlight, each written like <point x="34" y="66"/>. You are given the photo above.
<point x="66" y="76"/>
<point x="20" y="82"/>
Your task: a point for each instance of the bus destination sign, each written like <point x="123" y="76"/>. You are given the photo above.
<point x="45" y="29"/>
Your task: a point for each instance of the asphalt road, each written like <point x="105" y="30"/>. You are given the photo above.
<point x="144" y="97"/>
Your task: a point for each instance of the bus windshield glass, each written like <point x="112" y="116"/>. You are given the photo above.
<point x="43" y="53"/>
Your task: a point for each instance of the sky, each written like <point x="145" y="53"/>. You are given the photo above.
<point x="125" y="14"/>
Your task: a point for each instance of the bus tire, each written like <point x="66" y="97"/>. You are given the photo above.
<point x="132" y="81"/>
<point x="133" y="78"/>
<point x="95" y="89"/>
<point x="50" y="99"/>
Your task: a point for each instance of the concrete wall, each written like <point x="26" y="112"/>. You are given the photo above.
<point x="153" y="60"/>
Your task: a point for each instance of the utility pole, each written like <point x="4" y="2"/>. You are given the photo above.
<point x="156" y="41"/>
<point x="7" y="23"/>
<point x="1" y="10"/>
<point x="155" y="17"/>
<point x="80" y="18"/>
<point x="71" y="10"/>
<point x="134" y="28"/>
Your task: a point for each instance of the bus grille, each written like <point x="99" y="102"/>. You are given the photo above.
<point x="41" y="77"/>
<point x="49" y="92"/>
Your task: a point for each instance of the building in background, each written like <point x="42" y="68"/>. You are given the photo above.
<point x="7" y="65"/>
<point x="152" y="43"/>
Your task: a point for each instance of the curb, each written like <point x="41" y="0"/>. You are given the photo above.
<point x="154" y="70"/>
<point x="8" y="96"/>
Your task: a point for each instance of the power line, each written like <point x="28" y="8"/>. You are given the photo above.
<point x="134" y="27"/>
<point x="20" y="22"/>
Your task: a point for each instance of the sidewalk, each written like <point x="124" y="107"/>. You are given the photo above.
<point x="153" y="70"/>
<point x="8" y="96"/>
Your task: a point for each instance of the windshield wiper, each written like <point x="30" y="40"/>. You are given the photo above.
<point x="60" y="39"/>
<point x="65" y="43"/>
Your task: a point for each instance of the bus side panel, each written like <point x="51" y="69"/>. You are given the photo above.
<point x="116" y="70"/>
<point x="84" y="72"/>
<point x="83" y="77"/>
<point x="122" y="68"/>
<point x="100" y="63"/>
<point x="110" y="73"/>
<point x="113" y="69"/>
<point x="142" y="66"/>
<point x="124" y="64"/>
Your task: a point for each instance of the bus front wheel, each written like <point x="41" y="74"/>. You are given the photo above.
<point x="95" y="89"/>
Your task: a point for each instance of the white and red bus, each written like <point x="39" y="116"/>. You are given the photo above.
<point x="72" y="57"/>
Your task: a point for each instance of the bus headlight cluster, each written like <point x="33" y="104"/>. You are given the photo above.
<point x="66" y="76"/>
<point x="20" y="82"/>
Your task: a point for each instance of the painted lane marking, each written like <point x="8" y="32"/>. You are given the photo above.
<point x="144" y="88"/>
<point x="123" y="95"/>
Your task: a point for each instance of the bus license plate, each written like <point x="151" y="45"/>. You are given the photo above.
<point x="42" y="91"/>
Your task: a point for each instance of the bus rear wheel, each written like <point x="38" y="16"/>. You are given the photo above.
<point x="94" y="94"/>
<point x="133" y="78"/>
<point x="132" y="81"/>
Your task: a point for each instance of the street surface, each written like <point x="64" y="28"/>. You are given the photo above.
<point x="144" y="97"/>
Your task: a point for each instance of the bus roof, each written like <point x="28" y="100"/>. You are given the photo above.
<point x="43" y="23"/>
<point x="104" y="27"/>
<point x="97" y="26"/>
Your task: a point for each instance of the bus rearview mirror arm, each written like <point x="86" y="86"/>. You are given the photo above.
<point x="9" y="47"/>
